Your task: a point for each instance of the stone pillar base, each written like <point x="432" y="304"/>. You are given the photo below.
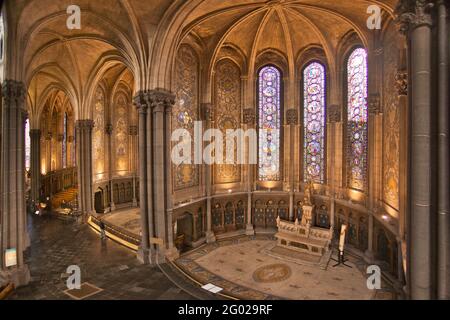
<point x="172" y="254"/>
<point x="19" y="277"/>
<point x="113" y="206"/>
<point x="135" y="204"/>
<point x="27" y="241"/>
<point x="249" y="230"/>
<point x="369" y="257"/>
<point x="210" y="237"/>
<point x="143" y="256"/>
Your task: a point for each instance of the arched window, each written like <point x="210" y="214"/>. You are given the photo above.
<point x="27" y="145"/>
<point x="314" y="77"/>
<point x="269" y="124"/>
<point x="64" y="142"/>
<point x="357" y="119"/>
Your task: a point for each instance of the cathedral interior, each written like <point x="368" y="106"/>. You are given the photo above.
<point x="349" y="103"/>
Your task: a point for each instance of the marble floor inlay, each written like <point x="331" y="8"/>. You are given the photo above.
<point x="245" y="271"/>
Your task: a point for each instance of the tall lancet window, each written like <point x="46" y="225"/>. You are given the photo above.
<point x="357" y="119"/>
<point x="314" y="122"/>
<point x="269" y="124"/>
<point x="64" y="142"/>
<point x="27" y="145"/>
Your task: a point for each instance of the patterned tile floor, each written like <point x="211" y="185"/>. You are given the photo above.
<point x="107" y="265"/>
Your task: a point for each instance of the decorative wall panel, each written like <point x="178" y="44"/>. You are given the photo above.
<point x="227" y="114"/>
<point x="391" y="124"/>
<point x="98" y="133"/>
<point x="185" y="112"/>
<point x="121" y="133"/>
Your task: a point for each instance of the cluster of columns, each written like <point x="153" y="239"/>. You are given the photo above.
<point x="156" y="206"/>
<point x="14" y="234"/>
<point x="83" y="131"/>
<point x="35" y="164"/>
<point x="425" y="24"/>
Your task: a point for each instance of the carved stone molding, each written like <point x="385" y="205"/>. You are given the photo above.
<point x="412" y="14"/>
<point x="334" y="113"/>
<point x="133" y="130"/>
<point x="109" y="129"/>
<point x="35" y="132"/>
<point x="48" y="136"/>
<point x="85" y="124"/>
<point x="401" y="82"/>
<point x="13" y="91"/>
<point x="161" y="100"/>
<point x="60" y="138"/>
<point x="374" y="104"/>
<point x="206" y="112"/>
<point x="249" y="116"/>
<point x="292" y="117"/>
<point x="70" y="139"/>
<point x="141" y="101"/>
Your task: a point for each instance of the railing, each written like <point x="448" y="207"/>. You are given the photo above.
<point x="60" y="180"/>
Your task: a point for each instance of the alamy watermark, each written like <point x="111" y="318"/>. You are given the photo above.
<point x="215" y="147"/>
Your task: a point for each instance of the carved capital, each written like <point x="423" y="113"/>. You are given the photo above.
<point x="334" y="113"/>
<point x="161" y="100"/>
<point x="35" y="133"/>
<point x="60" y="137"/>
<point x="13" y="92"/>
<point x="412" y="14"/>
<point x="141" y="101"/>
<point x="85" y="124"/>
<point x="292" y="117"/>
<point x="374" y="104"/>
<point x="109" y="129"/>
<point x="401" y="82"/>
<point x="70" y="139"/>
<point x="249" y="116"/>
<point x="133" y="130"/>
<point x="206" y="112"/>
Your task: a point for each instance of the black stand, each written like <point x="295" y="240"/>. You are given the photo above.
<point x="341" y="260"/>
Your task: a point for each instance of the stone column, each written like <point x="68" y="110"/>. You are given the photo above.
<point x="375" y="149"/>
<point x="144" y="253"/>
<point x="443" y="221"/>
<point x="85" y="172"/>
<point x="401" y="80"/>
<point x="292" y="122"/>
<point x="334" y="116"/>
<point x="249" y="121"/>
<point x="134" y="134"/>
<point x="375" y="159"/>
<point x="416" y="22"/>
<point x="207" y="117"/>
<point x="13" y="213"/>
<point x="48" y="153"/>
<point x="161" y="107"/>
<point x="109" y="130"/>
<point x="35" y="161"/>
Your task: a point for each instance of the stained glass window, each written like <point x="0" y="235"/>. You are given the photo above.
<point x="314" y="117"/>
<point x="64" y="142"/>
<point x="269" y="122"/>
<point x="27" y="145"/>
<point x="357" y="117"/>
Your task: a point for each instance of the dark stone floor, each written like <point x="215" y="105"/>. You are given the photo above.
<point x="56" y="244"/>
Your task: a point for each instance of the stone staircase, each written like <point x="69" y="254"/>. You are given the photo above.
<point x="68" y="196"/>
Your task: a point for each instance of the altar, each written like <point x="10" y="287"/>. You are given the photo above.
<point x="303" y="235"/>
